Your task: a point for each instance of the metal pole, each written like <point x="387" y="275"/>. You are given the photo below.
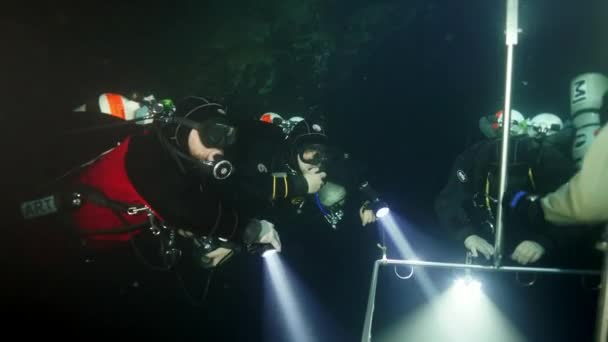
<point x="432" y="264"/>
<point x="601" y="327"/>
<point x="369" y="314"/>
<point x="511" y="40"/>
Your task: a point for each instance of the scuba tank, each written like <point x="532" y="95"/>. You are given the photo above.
<point x="121" y="107"/>
<point x="586" y="99"/>
<point x="286" y="125"/>
<point x="544" y="125"/>
<point x="491" y="125"/>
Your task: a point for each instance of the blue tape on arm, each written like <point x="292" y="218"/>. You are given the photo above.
<point x="517" y="197"/>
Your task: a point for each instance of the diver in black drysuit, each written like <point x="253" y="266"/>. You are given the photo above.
<point x="466" y="206"/>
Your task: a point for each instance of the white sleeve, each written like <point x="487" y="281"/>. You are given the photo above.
<point x="584" y="199"/>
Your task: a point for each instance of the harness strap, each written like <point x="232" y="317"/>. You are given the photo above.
<point x="98" y="197"/>
<point x="82" y="192"/>
<point x="487" y="187"/>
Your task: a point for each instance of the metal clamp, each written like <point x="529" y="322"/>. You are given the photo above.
<point x="333" y="218"/>
<point x="468" y="259"/>
<point x="204" y="242"/>
<point x="153" y="225"/>
<point x="528" y="283"/>
<point x="383" y="249"/>
<point x="300" y="206"/>
<point x="76" y="199"/>
<point x="137" y="210"/>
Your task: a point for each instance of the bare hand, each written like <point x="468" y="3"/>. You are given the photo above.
<point x="476" y="243"/>
<point x="219" y="255"/>
<point x="269" y="235"/>
<point x="367" y="216"/>
<point x="315" y="180"/>
<point x="528" y="252"/>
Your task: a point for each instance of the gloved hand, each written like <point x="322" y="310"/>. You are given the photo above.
<point x="367" y="215"/>
<point x="528" y="252"/>
<point x="476" y="243"/>
<point x="217" y="256"/>
<point x="314" y="179"/>
<point x="269" y="235"/>
<point x="207" y="253"/>
<point x="261" y="232"/>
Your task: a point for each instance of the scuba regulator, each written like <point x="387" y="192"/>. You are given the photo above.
<point x="208" y="118"/>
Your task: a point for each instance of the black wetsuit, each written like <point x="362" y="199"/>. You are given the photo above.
<point x="185" y="200"/>
<point x="263" y="180"/>
<point x="467" y="204"/>
<point x="268" y="183"/>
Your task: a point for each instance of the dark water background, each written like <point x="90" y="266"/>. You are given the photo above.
<point x="401" y="85"/>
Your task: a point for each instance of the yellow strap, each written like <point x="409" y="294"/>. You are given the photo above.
<point x="531" y="177"/>
<point x="286" y="187"/>
<point x="274" y="187"/>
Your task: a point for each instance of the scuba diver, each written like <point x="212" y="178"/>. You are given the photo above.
<point x="162" y="180"/>
<point x="287" y="163"/>
<point x="466" y="206"/>
<point x="582" y="200"/>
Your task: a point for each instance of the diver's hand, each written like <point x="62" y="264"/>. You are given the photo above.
<point x="367" y="215"/>
<point x="528" y="252"/>
<point x="315" y="180"/>
<point x="475" y="243"/>
<point x="217" y="256"/>
<point x="269" y="235"/>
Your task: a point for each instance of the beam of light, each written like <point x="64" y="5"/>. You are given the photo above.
<point x="292" y="314"/>
<point x="450" y="317"/>
<point x="467" y="288"/>
<point x="288" y="307"/>
<point x="406" y="251"/>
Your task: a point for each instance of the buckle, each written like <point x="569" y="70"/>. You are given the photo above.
<point x="137" y="210"/>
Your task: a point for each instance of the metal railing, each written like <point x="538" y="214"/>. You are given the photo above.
<point x="602" y="322"/>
